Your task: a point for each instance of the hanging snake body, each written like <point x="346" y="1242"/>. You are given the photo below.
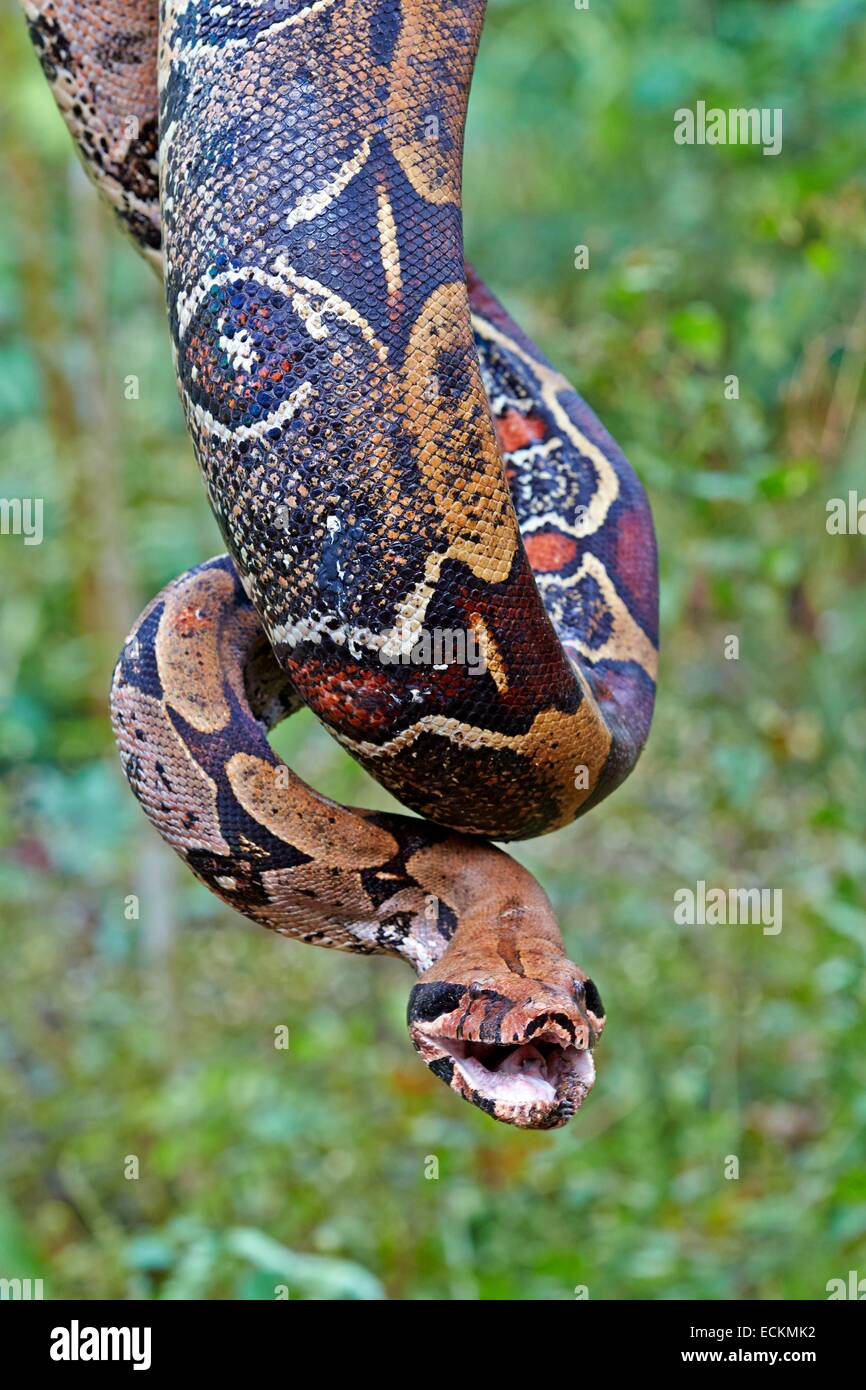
<point x="433" y="543"/>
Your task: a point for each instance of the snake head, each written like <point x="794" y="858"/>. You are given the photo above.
<point x="506" y="1020"/>
<point x="525" y="1060"/>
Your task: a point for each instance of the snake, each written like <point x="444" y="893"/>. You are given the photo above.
<point x="432" y="542"/>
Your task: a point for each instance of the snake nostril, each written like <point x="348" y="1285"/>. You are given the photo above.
<point x="544" y="1020"/>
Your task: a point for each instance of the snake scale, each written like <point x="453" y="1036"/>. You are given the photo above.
<point x="433" y="542"/>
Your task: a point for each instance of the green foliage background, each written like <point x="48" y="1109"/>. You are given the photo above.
<point x="154" y="1038"/>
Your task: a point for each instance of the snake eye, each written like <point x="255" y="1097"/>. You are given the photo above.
<point x="593" y="999"/>
<point x="428" y="1002"/>
<point x="475" y="990"/>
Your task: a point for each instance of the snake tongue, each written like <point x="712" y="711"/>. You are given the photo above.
<point x="519" y="1079"/>
<point x="535" y="1084"/>
<point x="519" y="1075"/>
<point x="524" y="1061"/>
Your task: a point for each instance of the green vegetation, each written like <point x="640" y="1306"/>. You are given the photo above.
<point x="154" y="1038"/>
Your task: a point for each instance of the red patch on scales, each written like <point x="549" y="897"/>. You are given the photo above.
<point x="516" y="431"/>
<point x="635" y="563"/>
<point x="191" y="620"/>
<point x="549" y="551"/>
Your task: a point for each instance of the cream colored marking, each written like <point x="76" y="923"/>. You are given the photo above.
<point x="551" y="383"/>
<point x="628" y="642"/>
<point x="67" y="96"/>
<point x="330" y="833"/>
<point x="389" y="249"/>
<point x="249" y="40"/>
<point x="418" y="954"/>
<point x="333" y="304"/>
<point x="311" y="630"/>
<point x="554" y="744"/>
<point x="285" y="411"/>
<point x="541" y="449"/>
<point x="307" y="899"/>
<point x="490" y="653"/>
<point x="237" y="346"/>
<point x="312" y="204"/>
<point x="187" y="652"/>
<point x="187" y="304"/>
<point x="538" y="523"/>
<point x="393" y="642"/>
<point x="470" y="736"/>
<point x="311" y="318"/>
<point x="286" y="282"/>
<point x="489" y="549"/>
<point x="191" y="786"/>
<point x="410" y="612"/>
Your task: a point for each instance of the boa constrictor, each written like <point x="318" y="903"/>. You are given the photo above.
<point x="402" y="480"/>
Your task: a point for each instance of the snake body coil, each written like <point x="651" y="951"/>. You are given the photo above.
<point x="433" y="542"/>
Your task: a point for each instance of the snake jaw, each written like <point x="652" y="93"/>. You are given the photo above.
<point x="534" y="1069"/>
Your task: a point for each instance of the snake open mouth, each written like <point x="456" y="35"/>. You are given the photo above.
<point x="535" y="1075"/>
<point x="518" y="1074"/>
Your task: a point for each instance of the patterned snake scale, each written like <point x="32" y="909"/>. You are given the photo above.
<point x="389" y="458"/>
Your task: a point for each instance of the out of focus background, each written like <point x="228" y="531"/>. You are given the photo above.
<point x="155" y="1143"/>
